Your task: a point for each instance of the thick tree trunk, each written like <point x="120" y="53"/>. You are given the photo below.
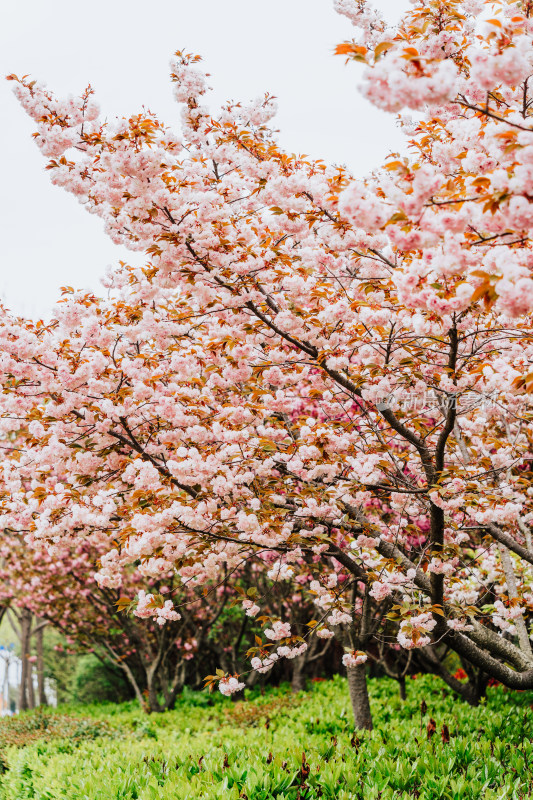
<point x="298" y="676"/>
<point x="152" y="685"/>
<point x="359" y="697"/>
<point x="40" y="666"/>
<point x="476" y="688"/>
<point x="171" y="689"/>
<point x="153" y="702"/>
<point x="172" y="696"/>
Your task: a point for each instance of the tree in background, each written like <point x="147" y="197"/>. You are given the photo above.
<point x="56" y="585"/>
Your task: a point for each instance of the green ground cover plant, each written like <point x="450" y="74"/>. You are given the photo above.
<point x="280" y="745"/>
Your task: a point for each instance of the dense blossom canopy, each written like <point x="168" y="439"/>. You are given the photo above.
<point x="327" y="375"/>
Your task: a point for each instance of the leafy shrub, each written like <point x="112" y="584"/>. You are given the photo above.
<point x="23" y="729"/>
<point x="438" y="749"/>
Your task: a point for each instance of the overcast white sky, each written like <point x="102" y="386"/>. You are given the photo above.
<point x="122" y="48"/>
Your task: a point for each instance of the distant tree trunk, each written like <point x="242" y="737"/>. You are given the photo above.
<point x="359" y="697"/>
<point x="5" y="684"/>
<point x="40" y="666"/>
<point x="25" y="633"/>
<point x="31" y="691"/>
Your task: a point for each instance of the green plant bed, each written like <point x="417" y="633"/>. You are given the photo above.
<point x="282" y="745"/>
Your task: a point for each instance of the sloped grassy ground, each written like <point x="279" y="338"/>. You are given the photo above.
<point x="276" y="746"/>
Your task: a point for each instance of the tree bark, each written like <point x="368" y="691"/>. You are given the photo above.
<point x="31" y="690"/>
<point x="153" y="702"/>
<point x="151" y="686"/>
<point x="25" y="633"/>
<point x="402" y="687"/>
<point x="176" y="687"/>
<point x="40" y="666"/>
<point x="298" y="677"/>
<point x="512" y="591"/>
<point x="359" y="696"/>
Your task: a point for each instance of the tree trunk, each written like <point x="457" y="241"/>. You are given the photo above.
<point x="359" y="697"/>
<point x="403" y="691"/>
<point x="171" y="683"/>
<point x="25" y="633"/>
<point x="476" y="688"/>
<point x="510" y="580"/>
<point x="5" y="685"/>
<point x="31" y="691"/>
<point x="298" y="677"/>
<point x="40" y="667"/>
<point x="176" y="687"/>
<point x="153" y="702"/>
<point x="151" y="686"/>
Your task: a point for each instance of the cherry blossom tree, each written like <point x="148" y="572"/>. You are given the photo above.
<point x="54" y="584"/>
<point x="175" y="635"/>
<point x="331" y="371"/>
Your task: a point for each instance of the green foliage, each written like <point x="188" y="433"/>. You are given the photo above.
<point x="95" y="682"/>
<point x="281" y="746"/>
<point x="60" y="664"/>
<point x="77" y="677"/>
<point x="46" y="724"/>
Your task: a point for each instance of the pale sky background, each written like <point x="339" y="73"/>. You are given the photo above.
<point x="123" y="48"/>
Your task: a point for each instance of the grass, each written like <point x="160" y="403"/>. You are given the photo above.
<point x="277" y="746"/>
